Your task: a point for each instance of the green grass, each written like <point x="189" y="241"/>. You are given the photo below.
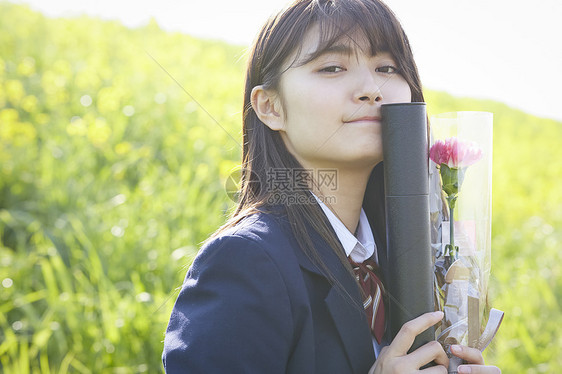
<point x="111" y="175"/>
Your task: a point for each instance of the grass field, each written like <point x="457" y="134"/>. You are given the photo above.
<point x="112" y="173"/>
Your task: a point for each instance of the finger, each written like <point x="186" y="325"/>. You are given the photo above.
<point x="470" y="355"/>
<point x="432" y="351"/>
<point x="478" y="369"/>
<point x="405" y="337"/>
<point x="439" y="369"/>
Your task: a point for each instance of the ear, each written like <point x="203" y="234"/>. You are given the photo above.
<point x="267" y="106"/>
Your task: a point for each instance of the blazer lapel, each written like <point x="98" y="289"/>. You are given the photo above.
<point x="351" y="323"/>
<point x="344" y="303"/>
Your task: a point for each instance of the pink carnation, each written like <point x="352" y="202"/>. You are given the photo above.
<point x="455" y="153"/>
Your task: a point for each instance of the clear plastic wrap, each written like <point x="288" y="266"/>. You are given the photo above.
<point x="461" y="192"/>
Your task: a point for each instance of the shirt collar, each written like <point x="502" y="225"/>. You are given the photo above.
<point x="359" y="247"/>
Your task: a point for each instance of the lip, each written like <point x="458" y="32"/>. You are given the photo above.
<point x="365" y="119"/>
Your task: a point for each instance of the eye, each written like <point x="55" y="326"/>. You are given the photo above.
<point x="332" y="69"/>
<point x="388" y="69"/>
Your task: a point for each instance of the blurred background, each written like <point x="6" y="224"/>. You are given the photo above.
<point x="120" y="123"/>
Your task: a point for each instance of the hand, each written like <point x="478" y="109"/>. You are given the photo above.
<point x="474" y="357"/>
<point x="395" y="357"/>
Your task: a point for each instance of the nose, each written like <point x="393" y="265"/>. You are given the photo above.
<point x="376" y="97"/>
<point x="368" y="90"/>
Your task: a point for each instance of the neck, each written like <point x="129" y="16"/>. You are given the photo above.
<point x="346" y="199"/>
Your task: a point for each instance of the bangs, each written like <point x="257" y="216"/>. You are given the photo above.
<point x="366" y="26"/>
<point x="357" y="25"/>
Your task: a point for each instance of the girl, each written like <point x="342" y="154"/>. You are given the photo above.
<point x="273" y="290"/>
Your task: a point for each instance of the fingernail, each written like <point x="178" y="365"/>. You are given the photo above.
<point x="438" y="314"/>
<point x="456" y="348"/>
<point x="464" y="369"/>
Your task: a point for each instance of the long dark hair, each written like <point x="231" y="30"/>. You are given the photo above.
<point x="263" y="148"/>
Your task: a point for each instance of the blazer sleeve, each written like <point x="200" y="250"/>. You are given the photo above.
<point x="232" y="314"/>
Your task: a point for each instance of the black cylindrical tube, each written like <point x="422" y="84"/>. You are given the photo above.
<point x="406" y="183"/>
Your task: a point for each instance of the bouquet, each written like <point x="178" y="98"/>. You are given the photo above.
<point x="460" y="210"/>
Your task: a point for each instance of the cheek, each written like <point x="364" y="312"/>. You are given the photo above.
<point x="310" y="104"/>
<point x="398" y="92"/>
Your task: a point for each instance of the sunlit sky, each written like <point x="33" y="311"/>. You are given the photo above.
<point x="506" y="50"/>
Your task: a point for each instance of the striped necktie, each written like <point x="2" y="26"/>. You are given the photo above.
<point x="373" y="292"/>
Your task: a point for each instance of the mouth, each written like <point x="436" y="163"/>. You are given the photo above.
<point x="365" y="119"/>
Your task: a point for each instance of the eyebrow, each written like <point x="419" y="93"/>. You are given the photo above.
<point x="338" y="49"/>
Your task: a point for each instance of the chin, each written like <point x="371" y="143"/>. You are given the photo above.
<point x="363" y="161"/>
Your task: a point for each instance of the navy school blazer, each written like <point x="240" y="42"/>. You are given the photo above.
<point x="253" y="302"/>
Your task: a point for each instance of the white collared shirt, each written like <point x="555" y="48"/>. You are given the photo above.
<point x="358" y="248"/>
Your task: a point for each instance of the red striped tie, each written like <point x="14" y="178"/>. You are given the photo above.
<point x="373" y="291"/>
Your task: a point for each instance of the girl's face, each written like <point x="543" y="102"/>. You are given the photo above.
<point x="330" y="106"/>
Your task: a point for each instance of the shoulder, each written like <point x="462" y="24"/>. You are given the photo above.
<point x="260" y="235"/>
<point x="238" y="289"/>
<point x="260" y="227"/>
